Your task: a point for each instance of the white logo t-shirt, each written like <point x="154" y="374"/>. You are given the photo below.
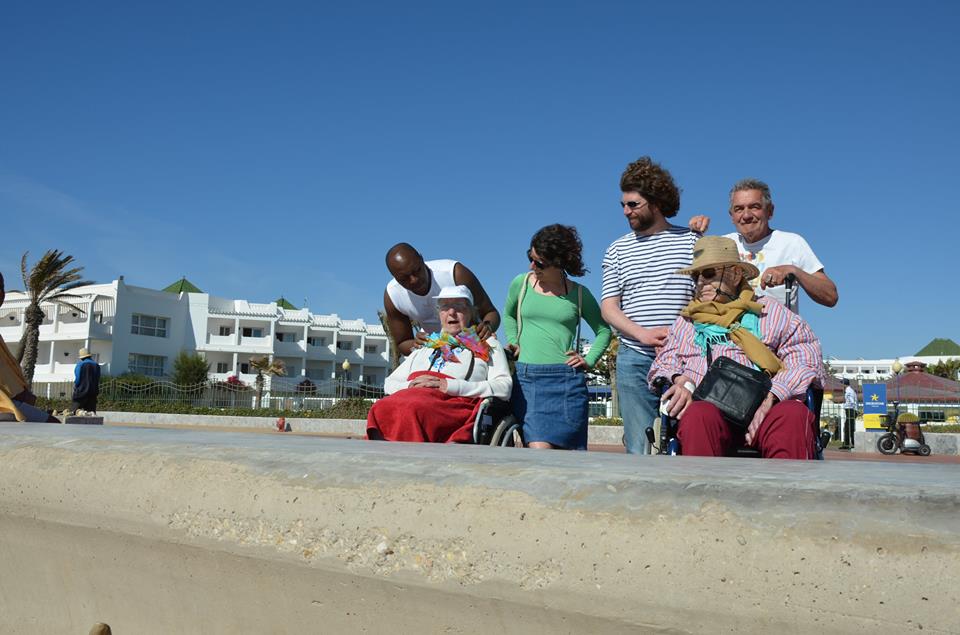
<point x="779" y="248"/>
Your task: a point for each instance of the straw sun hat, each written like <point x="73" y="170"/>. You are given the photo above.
<point x="717" y="251"/>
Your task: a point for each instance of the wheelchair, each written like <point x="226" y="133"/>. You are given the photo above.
<point x="670" y="444"/>
<point x="495" y="425"/>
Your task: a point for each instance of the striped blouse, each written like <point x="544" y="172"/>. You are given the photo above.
<point x="784" y="332"/>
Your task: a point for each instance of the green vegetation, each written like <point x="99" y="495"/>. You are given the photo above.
<point x="940" y="346"/>
<point x="606" y="421"/>
<point x="947" y="368"/>
<point x="344" y="409"/>
<point x="190" y="369"/>
<point x="49" y="280"/>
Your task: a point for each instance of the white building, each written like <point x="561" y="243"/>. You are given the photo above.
<point x="138" y="330"/>
<point x="868" y="370"/>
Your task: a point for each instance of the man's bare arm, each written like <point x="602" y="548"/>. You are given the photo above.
<point x="399" y="325"/>
<point x="818" y="286"/>
<point x="615" y="317"/>
<point x="487" y="312"/>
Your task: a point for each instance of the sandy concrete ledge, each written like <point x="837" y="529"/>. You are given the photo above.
<point x="598" y="435"/>
<point x="159" y="531"/>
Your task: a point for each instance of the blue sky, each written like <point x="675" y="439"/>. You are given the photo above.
<point x="281" y="148"/>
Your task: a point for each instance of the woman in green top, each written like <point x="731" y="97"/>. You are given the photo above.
<point x="542" y="322"/>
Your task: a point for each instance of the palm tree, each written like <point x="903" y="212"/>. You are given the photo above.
<point x="266" y="366"/>
<point x="49" y="280"/>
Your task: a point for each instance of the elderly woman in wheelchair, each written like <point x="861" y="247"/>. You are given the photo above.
<point x="771" y="345"/>
<point x="435" y="394"/>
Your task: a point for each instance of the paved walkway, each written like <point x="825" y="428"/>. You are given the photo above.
<point x="831" y="455"/>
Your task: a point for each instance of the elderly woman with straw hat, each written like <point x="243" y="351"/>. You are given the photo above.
<point x="726" y="319"/>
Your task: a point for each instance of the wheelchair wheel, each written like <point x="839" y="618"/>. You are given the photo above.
<point x="507" y="434"/>
<point x="924" y="450"/>
<point x="887" y="444"/>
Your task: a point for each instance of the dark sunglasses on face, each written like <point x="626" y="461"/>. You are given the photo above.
<point x="708" y="274"/>
<point x="536" y="263"/>
<point x="632" y="204"/>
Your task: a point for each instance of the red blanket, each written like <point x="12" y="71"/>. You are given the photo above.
<point x="423" y="415"/>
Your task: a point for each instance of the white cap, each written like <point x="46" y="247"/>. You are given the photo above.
<point x="456" y="291"/>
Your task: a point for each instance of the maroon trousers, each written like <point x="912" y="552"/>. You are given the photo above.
<point x="786" y="432"/>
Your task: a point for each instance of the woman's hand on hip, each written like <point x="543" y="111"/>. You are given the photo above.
<point x="576" y="360"/>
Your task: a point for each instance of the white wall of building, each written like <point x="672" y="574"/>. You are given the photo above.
<point x="134" y="328"/>
<point x="868" y="370"/>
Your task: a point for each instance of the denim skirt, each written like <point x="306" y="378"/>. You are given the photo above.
<point x="551" y="400"/>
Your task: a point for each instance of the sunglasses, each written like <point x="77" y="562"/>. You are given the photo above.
<point x="536" y="263"/>
<point x="632" y="204"/>
<point x="709" y="273"/>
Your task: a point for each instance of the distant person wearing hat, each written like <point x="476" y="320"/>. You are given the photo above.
<point x="776" y="254"/>
<point x="86" y="383"/>
<point x="409" y="297"/>
<point x="726" y="316"/>
<point x="849" y="414"/>
<point x="435" y="393"/>
<point x="17" y="402"/>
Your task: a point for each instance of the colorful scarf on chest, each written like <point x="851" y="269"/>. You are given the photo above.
<point x="737" y="321"/>
<point x="446" y="346"/>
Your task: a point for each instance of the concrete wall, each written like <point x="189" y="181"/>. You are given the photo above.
<point x="185" y="531"/>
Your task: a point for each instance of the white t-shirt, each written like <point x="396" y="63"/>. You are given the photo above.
<point x="423" y="308"/>
<point x="849" y="398"/>
<point x="779" y="248"/>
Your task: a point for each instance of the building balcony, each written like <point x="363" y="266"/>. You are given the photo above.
<point x="265" y="342"/>
<point x="320" y="352"/>
<point x="377" y="360"/>
<point x="221" y="340"/>
<point x="291" y="349"/>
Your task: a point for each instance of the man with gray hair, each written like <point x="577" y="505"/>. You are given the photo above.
<point x="776" y="253"/>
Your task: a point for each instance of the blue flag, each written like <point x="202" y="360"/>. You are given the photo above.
<point x="875" y="399"/>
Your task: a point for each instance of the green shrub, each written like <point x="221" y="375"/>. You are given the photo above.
<point x="190" y="369"/>
<point x="344" y="409"/>
<point x="606" y="421"/>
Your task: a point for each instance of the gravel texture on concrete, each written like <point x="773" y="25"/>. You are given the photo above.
<point x="195" y="531"/>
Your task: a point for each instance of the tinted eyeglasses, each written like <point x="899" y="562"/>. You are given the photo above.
<point x="709" y="273"/>
<point x="633" y="204"/>
<point x="539" y="264"/>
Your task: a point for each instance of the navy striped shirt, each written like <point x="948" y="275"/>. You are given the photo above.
<point x="641" y="271"/>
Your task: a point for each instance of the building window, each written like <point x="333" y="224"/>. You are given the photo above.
<point x="370" y="348"/>
<point x="317" y="341"/>
<point x="245" y="369"/>
<point x="252" y="332"/>
<point x="150" y="365"/>
<point x="225" y="331"/>
<point x="927" y="416"/>
<point x="345" y="345"/>
<point x="148" y="325"/>
<point x="222" y="367"/>
<point x="286" y="337"/>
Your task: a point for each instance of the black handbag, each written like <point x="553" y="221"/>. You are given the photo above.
<point x="736" y="390"/>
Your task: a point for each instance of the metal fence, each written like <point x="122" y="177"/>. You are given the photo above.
<point x="278" y="393"/>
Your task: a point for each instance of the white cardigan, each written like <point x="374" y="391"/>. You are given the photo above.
<point x="488" y="379"/>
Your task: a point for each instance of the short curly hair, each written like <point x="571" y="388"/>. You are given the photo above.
<point x="560" y="246"/>
<point x="654" y="183"/>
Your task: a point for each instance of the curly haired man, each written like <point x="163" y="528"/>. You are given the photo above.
<point x="642" y="293"/>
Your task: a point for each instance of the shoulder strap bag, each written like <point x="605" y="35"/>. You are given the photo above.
<point x="736" y="390"/>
